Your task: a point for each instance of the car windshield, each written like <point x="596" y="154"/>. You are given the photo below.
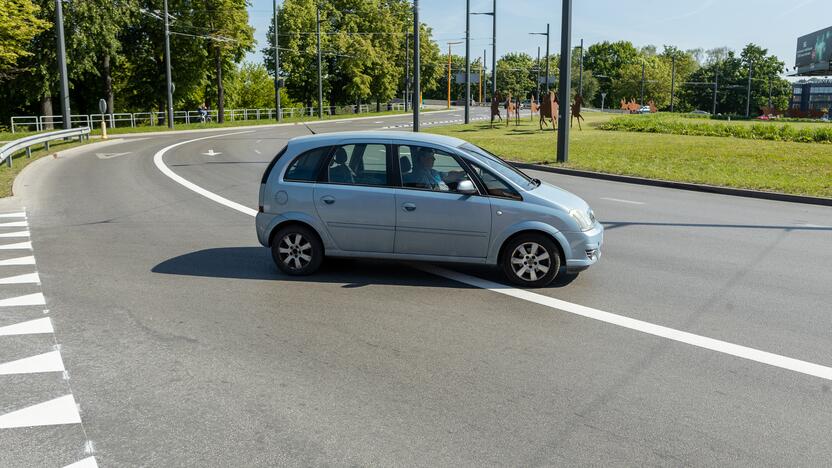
<point x="501" y="167"/>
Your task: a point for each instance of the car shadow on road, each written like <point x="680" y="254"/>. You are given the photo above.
<point x="255" y="263"/>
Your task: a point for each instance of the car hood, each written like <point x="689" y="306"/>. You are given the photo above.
<point x="557" y="196"/>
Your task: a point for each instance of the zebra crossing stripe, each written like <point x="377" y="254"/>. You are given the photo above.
<point x="15" y="234"/>
<point x="27" y="300"/>
<point x="18" y="214"/>
<point x="61" y="410"/>
<point x="15" y="224"/>
<point x="31" y="327"/>
<point x="46" y="362"/>
<point x="30" y="260"/>
<point x="17" y="246"/>
<point x="88" y="462"/>
<point x="28" y="278"/>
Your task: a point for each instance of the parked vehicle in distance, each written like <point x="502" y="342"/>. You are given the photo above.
<point x="700" y="112"/>
<point x="415" y="196"/>
<point x="643" y="110"/>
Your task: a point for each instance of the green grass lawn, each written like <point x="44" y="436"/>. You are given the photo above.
<point x="788" y="167"/>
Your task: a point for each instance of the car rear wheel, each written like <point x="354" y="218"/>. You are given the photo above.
<point x="531" y="260"/>
<point x="297" y="251"/>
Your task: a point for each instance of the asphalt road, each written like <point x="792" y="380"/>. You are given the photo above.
<point x="184" y="346"/>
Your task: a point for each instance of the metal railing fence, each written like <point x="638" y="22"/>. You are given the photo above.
<point x="8" y="150"/>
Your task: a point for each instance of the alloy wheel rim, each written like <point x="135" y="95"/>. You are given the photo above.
<point x="295" y="251"/>
<point x="530" y="261"/>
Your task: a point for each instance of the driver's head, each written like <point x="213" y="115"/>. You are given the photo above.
<point x="424" y="158"/>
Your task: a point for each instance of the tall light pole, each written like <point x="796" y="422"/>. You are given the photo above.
<point x="565" y="80"/>
<point x="449" y="70"/>
<point x="672" y="81"/>
<point x="581" y="72"/>
<point x="547" y="53"/>
<point x="417" y="65"/>
<point x="748" y="97"/>
<point x="482" y="75"/>
<point x="320" y="78"/>
<point x="406" y="70"/>
<point x="59" y="21"/>
<point x="493" y="14"/>
<point x="642" y="84"/>
<point x="538" y="73"/>
<point x="467" y="61"/>
<point x="276" y="67"/>
<point x="716" y="86"/>
<point x="168" y="77"/>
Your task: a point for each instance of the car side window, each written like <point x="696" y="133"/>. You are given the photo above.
<point x="359" y="164"/>
<point x="493" y="184"/>
<point x="304" y="168"/>
<point x="429" y="169"/>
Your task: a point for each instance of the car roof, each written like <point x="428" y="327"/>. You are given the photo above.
<point x="331" y="138"/>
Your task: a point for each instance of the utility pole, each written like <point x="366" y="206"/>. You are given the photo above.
<point x="581" y="72"/>
<point x="406" y="70"/>
<point x="565" y="79"/>
<point x="417" y="64"/>
<point x="168" y="77"/>
<point x="642" y="83"/>
<point x="538" y="73"/>
<point x="494" y="52"/>
<point x="276" y="67"/>
<point x="748" y="97"/>
<point x="482" y="75"/>
<point x="672" y="80"/>
<point x="547" y="50"/>
<point x="467" y="61"/>
<point x="59" y="21"/>
<point x="769" y="92"/>
<point x="320" y="79"/>
<point x="716" y="86"/>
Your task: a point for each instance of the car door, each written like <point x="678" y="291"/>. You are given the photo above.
<point x="355" y="199"/>
<point x="431" y="218"/>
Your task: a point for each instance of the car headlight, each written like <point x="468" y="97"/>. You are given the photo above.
<point x="585" y="219"/>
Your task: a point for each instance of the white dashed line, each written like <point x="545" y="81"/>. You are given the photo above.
<point x="18" y="214"/>
<point x="15" y="234"/>
<point x="623" y="201"/>
<point x="14" y="224"/>
<point x="88" y="462"/>
<point x="724" y="347"/>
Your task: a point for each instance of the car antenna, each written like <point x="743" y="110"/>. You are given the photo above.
<point x="310" y="129"/>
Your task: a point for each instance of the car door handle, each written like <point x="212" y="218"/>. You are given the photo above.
<point x="409" y="206"/>
<point x="328" y="199"/>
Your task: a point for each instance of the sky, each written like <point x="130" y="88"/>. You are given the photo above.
<point x="687" y="24"/>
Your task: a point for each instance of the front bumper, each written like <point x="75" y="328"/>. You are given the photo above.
<point x="585" y="248"/>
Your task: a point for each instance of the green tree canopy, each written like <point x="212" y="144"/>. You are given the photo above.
<point x="19" y="24"/>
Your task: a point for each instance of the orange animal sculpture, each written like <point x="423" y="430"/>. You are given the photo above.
<point x="512" y="110"/>
<point x="535" y="107"/>
<point x="549" y="109"/>
<point x="576" y="111"/>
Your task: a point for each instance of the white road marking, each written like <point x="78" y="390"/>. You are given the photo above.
<point x="257" y="150"/>
<point x="61" y="410"/>
<point x="30" y="260"/>
<point x="15" y="234"/>
<point x="111" y="155"/>
<point x="623" y="201"/>
<point x="47" y="362"/>
<point x="88" y="462"/>
<point x="815" y="226"/>
<point x="28" y="278"/>
<point x="17" y="214"/>
<point x="17" y="246"/>
<point x="27" y="300"/>
<point x="724" y="347"/>
<point x="211" y="153"/>
<point x="32" y="327"/>
<point x="158" y="159"/>
<point x="15" y="224"/>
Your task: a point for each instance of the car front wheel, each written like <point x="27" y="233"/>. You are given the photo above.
<point x="297" y="251"/>
<point x="531" y="260"/>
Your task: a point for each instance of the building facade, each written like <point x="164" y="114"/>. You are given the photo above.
<point x="811" y="95"/>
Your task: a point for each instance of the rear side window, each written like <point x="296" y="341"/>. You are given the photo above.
<point x="271" y="165"/>
<point x="306" y="166"/>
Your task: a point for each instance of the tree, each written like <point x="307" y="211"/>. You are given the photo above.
<point x="19" y="24"/>
<point x="251" y="87"/>
<point x="516" y="74"/>
<point x="606" y="60"/>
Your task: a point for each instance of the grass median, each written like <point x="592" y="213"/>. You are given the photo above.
<point x="778" y="166"/>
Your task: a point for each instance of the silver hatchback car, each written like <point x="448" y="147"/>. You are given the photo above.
<point x="414" y="196"/>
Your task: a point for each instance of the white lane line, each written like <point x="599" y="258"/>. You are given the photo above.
<point x="15" y="234"/>
<point x="623" y="201"/>
<point x="158" y="159"/>
<point x="27" y="300"/>
<point x="32" y="327"/>
<point x="17" y="246"/>
<point x="15" y="224"/>
<point x="28" y="278"/>
<point x="88" y="462"/>
<point x="62" y="410"/>
<point x="724" y="347"/>
<point x="257" y="151"/>
<point x="46" y="362"/>
<point x="17" y="214"/>
<point x="30" y="260"/>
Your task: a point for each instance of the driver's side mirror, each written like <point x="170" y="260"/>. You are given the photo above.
<point x="467" y="187"/>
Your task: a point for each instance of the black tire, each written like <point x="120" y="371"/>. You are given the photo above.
<point x="527" y="266"/>
<point x="290" y="247"/>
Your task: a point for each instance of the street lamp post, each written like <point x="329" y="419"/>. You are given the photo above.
<point x="168" y="78"/>
<point x="642" y="84"/>
<point x="320" y="78"/>
<point x="276" y="67"/>
<point x="406" y="70"/>
<point x="467" y="61"/>
<point x="417" y="65"/>
<point x="547" y="53"/>
<point x="493" y="14"/>
<point x="565" y="80"/>
<point x="59" y="20"/>
<point x="672" y="81"/>
<point x="748" y="96"/>
<point x="449" y="70"/>
<point x="581" y="72"/>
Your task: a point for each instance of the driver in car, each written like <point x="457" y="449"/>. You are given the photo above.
<point x="425" y="176"/>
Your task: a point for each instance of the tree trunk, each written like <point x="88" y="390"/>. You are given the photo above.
<point x="46" y="109"/>
<point x="378" y="105"/>
<point x="220" y="90"/>
<point x="108" y="83"/>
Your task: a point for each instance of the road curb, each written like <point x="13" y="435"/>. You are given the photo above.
<point x="680" y="185"/>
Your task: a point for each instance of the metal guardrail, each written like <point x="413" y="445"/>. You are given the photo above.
<point x="26" y="143"/>
<point x="44" y="122"/>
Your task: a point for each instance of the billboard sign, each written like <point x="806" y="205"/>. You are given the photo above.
<point x="815" y="48"/>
